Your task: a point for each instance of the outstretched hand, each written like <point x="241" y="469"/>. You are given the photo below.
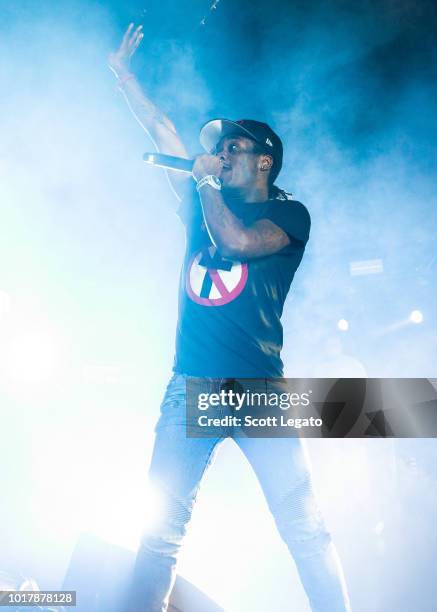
<point x="119" y="61"/>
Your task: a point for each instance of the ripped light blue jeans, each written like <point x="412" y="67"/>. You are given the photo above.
<point x="177" y="466"/>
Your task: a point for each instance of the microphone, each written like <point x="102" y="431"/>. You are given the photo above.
<point x="169" y="161"/>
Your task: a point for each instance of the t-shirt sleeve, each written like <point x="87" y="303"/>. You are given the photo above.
<point x="292" y="217"/>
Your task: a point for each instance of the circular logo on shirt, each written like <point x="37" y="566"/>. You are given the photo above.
<point x="214" y="281"/>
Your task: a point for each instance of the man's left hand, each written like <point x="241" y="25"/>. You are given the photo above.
<point x="205" y="165"/>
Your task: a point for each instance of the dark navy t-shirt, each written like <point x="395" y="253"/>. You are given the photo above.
<point x="229" y="311"/>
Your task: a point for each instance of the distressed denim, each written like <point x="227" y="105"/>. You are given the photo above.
<point x="177" y="466"/>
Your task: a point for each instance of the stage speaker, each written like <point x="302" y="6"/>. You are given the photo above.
<point x="100" y="573"/>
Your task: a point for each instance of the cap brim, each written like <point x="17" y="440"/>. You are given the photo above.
<point x="216" y="129"/>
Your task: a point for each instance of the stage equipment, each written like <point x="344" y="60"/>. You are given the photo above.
<point x="100" y="574"/>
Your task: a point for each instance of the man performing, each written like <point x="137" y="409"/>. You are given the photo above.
<point x="245" y="240"/>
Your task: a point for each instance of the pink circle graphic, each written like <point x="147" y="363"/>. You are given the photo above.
<point x="214" y="281"/>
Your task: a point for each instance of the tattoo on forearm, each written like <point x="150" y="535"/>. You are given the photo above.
<point x="226" y="230"/>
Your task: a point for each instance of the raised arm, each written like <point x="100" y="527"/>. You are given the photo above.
<point x="156" y="124"/>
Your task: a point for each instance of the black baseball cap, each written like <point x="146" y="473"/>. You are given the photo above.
<point x="216" y="129"/>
